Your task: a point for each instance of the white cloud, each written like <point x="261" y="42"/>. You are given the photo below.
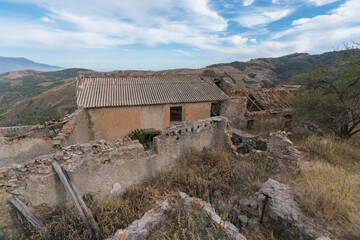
<point x="248" y="2"/>
<point x="262" y="16"/>
<point x="188" y="54"/>
<point x="47" y="20"/>
<point x="196" y="23"/>
<point x="321" y="2"/>
<point x="114" y="22"/>
<point x="329" y="30"/>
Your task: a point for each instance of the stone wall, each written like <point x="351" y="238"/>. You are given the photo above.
<point x="100" y="168"/>
<point x="14" y="131"/>
<point x="235" y="110"/>
<point x="267" y="121"/>
<point x="76" y="131"/>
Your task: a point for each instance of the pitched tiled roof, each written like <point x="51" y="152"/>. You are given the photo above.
<point x="93" y="92"/>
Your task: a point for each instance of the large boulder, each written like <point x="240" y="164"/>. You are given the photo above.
<point x="282" y="212"/>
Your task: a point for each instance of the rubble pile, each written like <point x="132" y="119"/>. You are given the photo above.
<point x="281" y="148"/>
<point x="246" y="143"/>
<point x="281" y="212"/>
<point x="187" y="210"/>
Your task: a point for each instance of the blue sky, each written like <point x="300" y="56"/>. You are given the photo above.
<point x="163" y="34"/>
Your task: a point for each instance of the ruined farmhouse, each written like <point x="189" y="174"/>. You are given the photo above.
<point x="186" y="112"/>
<point x="260" y="109"/>
<point x="117" y="105"/>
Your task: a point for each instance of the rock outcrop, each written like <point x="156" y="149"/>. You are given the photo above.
<point x="282" y="212"/>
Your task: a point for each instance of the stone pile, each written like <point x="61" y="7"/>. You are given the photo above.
<point x="280" y="147"/>
<point x="183" y="207"/>
<point x="246" y="143"/>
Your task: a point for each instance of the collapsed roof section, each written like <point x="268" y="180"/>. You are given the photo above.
<point x="94" y="92"/>
<point x="272" y="100"/>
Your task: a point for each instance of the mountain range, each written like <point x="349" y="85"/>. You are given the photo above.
<point x="9" y="64"/>
<point x="30" y="97"/>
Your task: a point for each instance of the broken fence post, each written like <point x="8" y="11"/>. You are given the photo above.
<point x="25" y="211"/>
<point x="86" y="210"/>
<point x="71" y="193"/>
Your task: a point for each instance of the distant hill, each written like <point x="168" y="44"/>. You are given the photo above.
<point x="8" y="64"/>
<point x="27" y="97"/>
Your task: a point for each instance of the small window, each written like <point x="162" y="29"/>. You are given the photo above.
<point x="175" y="114"/>
<point x="215" y="109"/>
<point x="250" y="124"/>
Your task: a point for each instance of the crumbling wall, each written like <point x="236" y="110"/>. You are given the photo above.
<point x="235" y="110"/>
<point x="14" y="131"/>
<point x="76" y="131"/>
<point x="19" y="150"/>
<point x="101" y="168"/>
<point x="267" y="121"/>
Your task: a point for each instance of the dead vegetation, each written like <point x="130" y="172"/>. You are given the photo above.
<point x="201" y="175"/>
<point x="329" y="184"/>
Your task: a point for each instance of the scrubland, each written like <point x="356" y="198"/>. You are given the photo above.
<point x="328" y="183"/>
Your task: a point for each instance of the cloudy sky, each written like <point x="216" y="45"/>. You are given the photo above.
<point x="163" y="34"/>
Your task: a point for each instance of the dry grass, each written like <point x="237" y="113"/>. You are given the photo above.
<point x="201" y="175"/>
<point x="330" y="184"/>
<point x="258" y="233"/>
<point x="345" y="154"/>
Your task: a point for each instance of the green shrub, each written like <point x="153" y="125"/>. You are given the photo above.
<point x="143" y="137"/>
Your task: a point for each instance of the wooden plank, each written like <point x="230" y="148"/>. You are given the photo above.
<point x="25" y="211"/>
<point x="71" y="193"/>
<point x="253" y="102"/>
<point x="86" y="210"/>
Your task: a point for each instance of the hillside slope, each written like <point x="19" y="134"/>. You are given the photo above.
<point x="27" y="97"/>
<point x="8" y="64"/>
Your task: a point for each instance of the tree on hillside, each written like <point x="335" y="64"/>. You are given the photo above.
<point x="330" y="97"/>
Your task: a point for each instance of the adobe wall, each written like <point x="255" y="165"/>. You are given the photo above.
<point x="117" y="122"/>
<point x="100" y="168"/>
<point x="196" y="111"/>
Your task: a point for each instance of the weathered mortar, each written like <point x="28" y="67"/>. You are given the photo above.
<point x="99" y="168"/>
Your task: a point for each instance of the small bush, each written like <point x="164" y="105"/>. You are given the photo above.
<point x="143" y="137"/>
<point x="252" y="75"/>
